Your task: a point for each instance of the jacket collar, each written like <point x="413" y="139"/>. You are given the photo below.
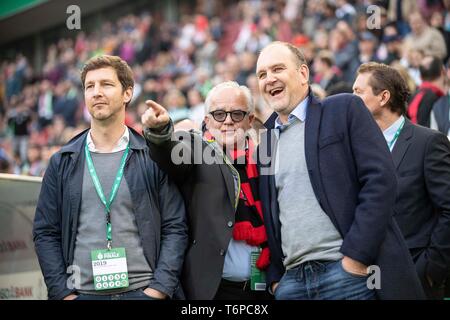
<point x="403" y="143"/>
<point x="76" y="144"/>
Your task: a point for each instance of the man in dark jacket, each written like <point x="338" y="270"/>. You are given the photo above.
<point x="328" y="202"/>
<point x="422" y="160"/>
<point x="218" y="180"/>
<point x="108" y="224"/>
<point x="430" y="90"/>
<point x="440" y="115"/>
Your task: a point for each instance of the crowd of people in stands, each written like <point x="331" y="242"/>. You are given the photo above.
<point x="178" y="63"/>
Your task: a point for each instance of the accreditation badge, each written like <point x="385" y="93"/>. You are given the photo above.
<point x="257" y="277"/>
<point x="109" y="268"/>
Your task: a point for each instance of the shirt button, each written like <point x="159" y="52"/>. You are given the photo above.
<point x="230" y="223"/>
<point x="222" y="252"/>
<point x="194" y="241"/>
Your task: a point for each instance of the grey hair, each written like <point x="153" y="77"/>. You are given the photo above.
<point x="230" y="84"/>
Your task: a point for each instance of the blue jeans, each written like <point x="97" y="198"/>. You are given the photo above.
<point x="322" y="280"/>
<point x="130" y="295"/>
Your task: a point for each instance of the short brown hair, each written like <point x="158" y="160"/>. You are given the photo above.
<point x="298" y="54"/>
<point x="384" y="77"/>
<point x="123" y="70"/>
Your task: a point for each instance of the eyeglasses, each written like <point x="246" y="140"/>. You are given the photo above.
<point x="236" y="115"/>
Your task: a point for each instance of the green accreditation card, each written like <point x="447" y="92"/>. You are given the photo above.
<point x="109" y="268"/>
<point x="257" y="277"/>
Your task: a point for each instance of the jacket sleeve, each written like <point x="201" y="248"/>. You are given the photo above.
<point x="437" y="179"/>
<point x="173" y="156"/>
<point x="47" y="235"/>
<point x="174" y="237"/>
<point x="376" y="176"/>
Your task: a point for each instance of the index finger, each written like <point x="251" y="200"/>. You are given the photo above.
<point x="157" y="108"/>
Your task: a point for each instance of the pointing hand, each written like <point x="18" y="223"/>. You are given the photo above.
<point x="155" y="117"/>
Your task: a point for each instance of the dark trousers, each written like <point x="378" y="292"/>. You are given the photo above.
<point x="231" y="290"/>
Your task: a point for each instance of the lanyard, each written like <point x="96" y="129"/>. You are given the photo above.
<point x="99" y="189"/>
<point x="397" y="133"/>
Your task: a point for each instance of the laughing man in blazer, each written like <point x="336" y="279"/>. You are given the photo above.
<point x="422" y="160"/>
<point x="328" y="204"/>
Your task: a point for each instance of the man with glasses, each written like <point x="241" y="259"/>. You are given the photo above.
<point x="219" y="182"/>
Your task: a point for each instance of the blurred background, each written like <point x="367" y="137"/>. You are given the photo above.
<point x="179" y="49"/>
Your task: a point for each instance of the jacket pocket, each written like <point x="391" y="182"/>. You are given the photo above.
<point x="330" y="140"/>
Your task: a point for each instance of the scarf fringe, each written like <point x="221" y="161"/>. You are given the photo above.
<point x="254" y="236"/>
<point x="264" y="259"/>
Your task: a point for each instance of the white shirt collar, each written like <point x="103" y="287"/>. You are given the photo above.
<point x="121" y="143"/>
<point x="389" y="133"/>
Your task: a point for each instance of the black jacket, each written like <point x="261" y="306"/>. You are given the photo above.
<point x="158" y="206"/>
<point x="211" y="194"/>
<point x="422" y="208"/>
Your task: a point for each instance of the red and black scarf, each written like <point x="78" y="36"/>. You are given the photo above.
<point x="249" y="221"/>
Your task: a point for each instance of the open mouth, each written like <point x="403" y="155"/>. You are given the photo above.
<point x="276" y="91"/>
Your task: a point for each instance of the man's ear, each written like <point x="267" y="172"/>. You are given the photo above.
<point x="251" y="117"/>
<point x="304" y="72"/>
<point x="128" y="94"/>
<point x="206" y="121"/>
<point x="385" y="96"/>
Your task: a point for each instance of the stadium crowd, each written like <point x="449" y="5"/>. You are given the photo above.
<point x="178" y="63"/>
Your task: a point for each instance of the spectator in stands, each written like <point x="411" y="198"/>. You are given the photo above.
<point x="391" y="47"/>
<point x="437" y="22"/>
<point x="325" y="71"/>
<point x="412" y="62"/>
<point x="440" y="114"/>
<point x="45" y="104"/>
<point x="144" y="212"/>
<point x="367" y="45"/>
<point x="345" y="11"/>
<point x="345" y="52"/>
<point x="222" y="198"/>
<point x="400" y="12"/>
<point x="422" y="160"/>
<point x="432" y="88"/>
<point x="247" y="67"/>
<point x="66" y="102"/>
<point x="19" y="118"/>
<point x="425" y="38"/>
<point x="196" y="106"/>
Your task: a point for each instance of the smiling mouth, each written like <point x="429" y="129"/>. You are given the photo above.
<point x="276" y="91"/>
<point x="99" y="104"/>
